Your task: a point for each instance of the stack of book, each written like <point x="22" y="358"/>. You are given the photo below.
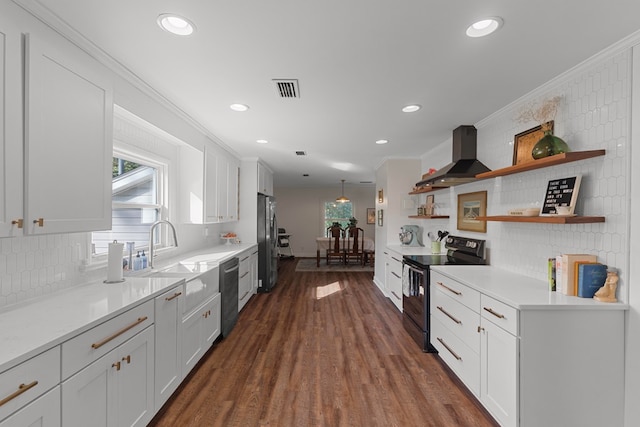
<point x="576" y="274"/>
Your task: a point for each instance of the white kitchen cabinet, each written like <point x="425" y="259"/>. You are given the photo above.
<point x="265" y="180"/>
<point x="116" y="389"/>
<point x="499" y="373"/>
<point x="538" y="358"/>
<point x="199" y="329"/>
<point x="253" y="269"/>
<point x="211" y="186"/>
<point x="168" y="344"/>
<point x="11" y="219"/>
<point x="393" y="277"/>
<point x="42" y="412"/>
<point x="244" y="279"/>
<point x="24" y="383"/>
<point x="208" y="186"/>
<point x="68" y="139"/>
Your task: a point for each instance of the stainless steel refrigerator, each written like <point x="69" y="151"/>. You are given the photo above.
<point x="267" y="243"/>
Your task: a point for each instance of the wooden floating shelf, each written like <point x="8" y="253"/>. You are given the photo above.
<point x="427" y="190"/>
<point x="429" y="216"/>
<point x="558" y="159"/>
<point x="544" y="219"/>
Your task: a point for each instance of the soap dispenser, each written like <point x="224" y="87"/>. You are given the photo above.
<point x="143" y="258"/>
<point x="137" y="263"/>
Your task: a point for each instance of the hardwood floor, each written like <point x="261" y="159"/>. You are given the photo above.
<point x="322" y="349"/>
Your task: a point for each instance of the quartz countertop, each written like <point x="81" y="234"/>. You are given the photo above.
<point x="516" y="290"/>
<point x="414" y="250"/>
<point x="28" y="328"/>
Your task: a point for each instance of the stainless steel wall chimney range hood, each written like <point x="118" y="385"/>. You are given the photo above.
<point x="464" y="166"/>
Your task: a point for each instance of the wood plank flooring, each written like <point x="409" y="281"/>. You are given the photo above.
<point x="322" y="349"/>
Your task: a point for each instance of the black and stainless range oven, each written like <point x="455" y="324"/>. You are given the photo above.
<point x="415" y="283"/>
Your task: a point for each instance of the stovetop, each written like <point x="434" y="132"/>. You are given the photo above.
<point x="460" y="251"/>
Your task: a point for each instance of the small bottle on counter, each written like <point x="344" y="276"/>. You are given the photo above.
<point x="143" y="257"/>
<point x="137" y="263"/>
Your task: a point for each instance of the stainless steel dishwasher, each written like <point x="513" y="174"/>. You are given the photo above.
<point x="229" y="290"/>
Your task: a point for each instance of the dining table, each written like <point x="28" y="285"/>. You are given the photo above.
<point x="322" y="243"/>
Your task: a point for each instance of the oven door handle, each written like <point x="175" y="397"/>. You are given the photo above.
<point x="415" y="270"/>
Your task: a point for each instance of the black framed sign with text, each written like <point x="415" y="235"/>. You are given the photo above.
<point x="562" y="192"/>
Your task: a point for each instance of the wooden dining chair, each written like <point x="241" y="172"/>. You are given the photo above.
<point x="334" y="251"/>
<point x="354" y="245"/>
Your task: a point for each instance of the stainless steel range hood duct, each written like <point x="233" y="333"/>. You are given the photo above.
<point x="464" y="167"/>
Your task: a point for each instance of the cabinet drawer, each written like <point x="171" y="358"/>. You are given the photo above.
<point x="25" y="382"/>
<point x="500" y="314"/>
<point x="243" y="265"/>
<point x="456" y="317"/>
<point x="78" y="352"/>
<point x="457" y="355"/>
<point x="456" y="290"/>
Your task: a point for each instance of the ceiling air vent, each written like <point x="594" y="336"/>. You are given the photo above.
<point x="301" y="153"/>
<point x="287" y="88"/>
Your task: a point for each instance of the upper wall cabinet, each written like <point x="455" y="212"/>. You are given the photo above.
<point x="208" y="186"/>
<point x="265" y="180"/>
<point x="68" y="139"/>
<point x="11" y="219"/>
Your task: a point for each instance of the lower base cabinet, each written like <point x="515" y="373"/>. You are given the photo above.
<point x="499" y="373"/>
<point x="200" y="328"/>
<point x="42" y="412"/>
<point x="115" y="390"/>
<point x="393" y="277"/>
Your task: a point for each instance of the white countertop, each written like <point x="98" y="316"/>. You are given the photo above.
<point x="29" y="328"/>
<point x="522" y="292"/>
<point x="414" y="250"/>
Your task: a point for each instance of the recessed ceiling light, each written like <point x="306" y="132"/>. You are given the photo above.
<point x="381" y="141"/>
<point x="411" y="108"/>
<point x="484" y="27"/>
<point x="239" y="107"/>
<point x="176" y="24"/>
<point x="262" y="141"/>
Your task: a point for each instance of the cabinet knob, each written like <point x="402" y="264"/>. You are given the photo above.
<point x="116" y="365"/>
<point x="39" y="222"/>
<point x="18" y="222"/>
<point x="127" y="359"/>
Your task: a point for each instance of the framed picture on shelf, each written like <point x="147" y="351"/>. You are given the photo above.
<point x="429" y="205"/>
<point x="380" y="217"/>
<point x="561" y="196"/>
<point x="371" y="215"/>
<point x="471" y="206"/>
<point x="523" y="143"/>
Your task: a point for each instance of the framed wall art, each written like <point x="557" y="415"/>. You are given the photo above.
<point x="371" y="215"/>
<point x="471" y="206"/>
<point x="523" y="143"/>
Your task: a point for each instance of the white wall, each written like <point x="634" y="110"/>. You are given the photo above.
<point x="300" y="212"/>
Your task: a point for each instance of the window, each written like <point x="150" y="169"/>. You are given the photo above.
<point x="337" y="212"/>
<point x="136" y="202"/>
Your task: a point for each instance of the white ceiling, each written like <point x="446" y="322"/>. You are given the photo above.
<point x="358" y="62"/>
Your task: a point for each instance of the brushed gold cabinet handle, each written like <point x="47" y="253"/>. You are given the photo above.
<point x="18" y="222"/>
<point x="480" y="328"/>
<point x="127" y="359"/>
<point x="498" y="315"/>
<point x="205" y="314"/>
<point x="449" y="348"/>
<point x="116" y="365"/>
<point x="449" y="289"/>
<point x="448" y="315"/>
<point x="39" y="222"/>
<point x="117" y="334"/>
<point x="174" y="296"/>
<point x="21" y="389"/>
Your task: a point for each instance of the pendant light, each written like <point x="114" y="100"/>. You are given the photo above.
<point x="342" y="199"/>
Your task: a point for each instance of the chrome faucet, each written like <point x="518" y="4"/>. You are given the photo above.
<point x="153" y="226"/>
